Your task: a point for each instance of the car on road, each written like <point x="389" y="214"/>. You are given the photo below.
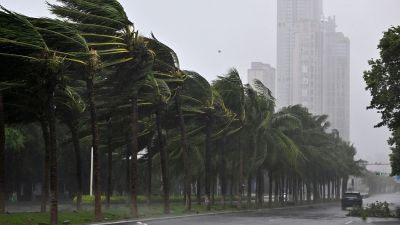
<point x="351" y="199"/>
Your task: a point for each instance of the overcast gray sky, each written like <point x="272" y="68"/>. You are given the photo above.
<point x="245" y="31"/>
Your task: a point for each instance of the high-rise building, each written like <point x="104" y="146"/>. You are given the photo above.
<point x="336" y="78"/>
<point x="298" y="55"/>
<point x="312" y="62"/>
<point x="264" y="73"/>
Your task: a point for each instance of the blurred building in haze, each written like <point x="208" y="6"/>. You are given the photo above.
<point x="313" y="62"/>
<point x="264" y="73"/>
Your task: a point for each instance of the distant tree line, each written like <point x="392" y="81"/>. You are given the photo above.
<point x="89" y="80"/>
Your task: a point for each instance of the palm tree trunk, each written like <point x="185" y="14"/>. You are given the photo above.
<point x="281" y="188"/>
<point x="77" y="148"/>
<point x="134" y="145"/>
<point x="329" y="189"/>
<point x="260" y="188"/>
<point x="127" y="164"/>
<point x="223" y="172"/>
<point x="240" y="187"/>
<point x="164" y="163"/>
<point x="270" y="189"/>
<point x="207" y="162"/>
<point x="149" y="175"/>
<point x="198" y="190"/>
<point x="286" y="192"/>
<point x="46" y="164"/>
<point x="301" y="193"/>
<point x="337" y="188"/>
<point x="249" y="180"/>
<point x="109" y="162"/>
<point x="213" y="186"/>
<point x="185" y="154"/>
<point x="276" y="190"/>
<point x="53" y="157"/>
<point x="344" y="184"/>
<point x="96" y="153"/>
<point x="308" y="187"/>
<point x="232" y="181"/>
<point x="296" y="189"/>
<point x="2" y="159"/>
<point x="315" y="191"/>
<point x="293" y="188"/>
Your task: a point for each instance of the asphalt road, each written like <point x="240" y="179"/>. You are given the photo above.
<point x="324" y="214"/>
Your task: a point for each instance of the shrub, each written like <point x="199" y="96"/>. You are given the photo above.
<point x="87" y="199"/>
<point x="377" y="209"/>
<point x="398" y="212"/>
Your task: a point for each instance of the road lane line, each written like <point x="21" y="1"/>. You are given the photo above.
<point x="349" y="222"/>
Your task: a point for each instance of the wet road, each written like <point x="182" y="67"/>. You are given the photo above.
<point x="325" y="214"/>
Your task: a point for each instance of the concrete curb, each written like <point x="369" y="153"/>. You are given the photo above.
<point x="126" y="222"/>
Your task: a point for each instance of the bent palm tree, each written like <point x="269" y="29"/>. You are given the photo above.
<point x="158" y="96"/>
<point x="34" y="40"/>
<point x="232" y="91"/>
<point x="126" y="51"/>
<point x="206" y="106"/>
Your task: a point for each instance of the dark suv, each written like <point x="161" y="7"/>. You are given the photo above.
<point x="351" y="199"/>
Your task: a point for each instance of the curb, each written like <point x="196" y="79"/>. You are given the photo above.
<point x="124" y="222"/>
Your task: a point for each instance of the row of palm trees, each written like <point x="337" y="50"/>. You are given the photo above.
<point x="91" y="71"/>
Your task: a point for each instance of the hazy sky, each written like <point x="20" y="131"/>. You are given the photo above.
<point x="245" y="31"/>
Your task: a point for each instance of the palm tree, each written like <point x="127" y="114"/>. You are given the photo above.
<point x="125" y="73"/>
<point x="158" y="97"/>
<point x="2" y="158"/>
<point x="131" y="59"/>
<point x="232" y="91"/>
<point x="96" y="20"/>
<point x="166" y="67"/>
<point x="38" y="48"/>
<point x="267" y="133"/>
<point x="203" y="102"/>
<point x="184" y="147"/>
<point x="25" y="106"/>
<point x="70" y="109"/>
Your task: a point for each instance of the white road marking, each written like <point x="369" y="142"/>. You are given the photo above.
<point x="349" y="222"/>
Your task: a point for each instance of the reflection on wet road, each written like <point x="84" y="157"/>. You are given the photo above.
<point x="324" y="214"/>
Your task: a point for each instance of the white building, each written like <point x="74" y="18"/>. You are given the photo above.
<point x="312" y="62"/>
<point x="336" y="79"/>
<point x="298" y="52"/>
<point x="264" y="73"/>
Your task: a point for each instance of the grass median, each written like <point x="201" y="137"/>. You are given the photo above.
<point x="112" y="214"/>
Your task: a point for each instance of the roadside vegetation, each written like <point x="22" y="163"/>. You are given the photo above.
<point x="115" y="213"/>
<point x="376" y="209"/>
<point x="383" y="83"/>
<point x="89" y="83"/>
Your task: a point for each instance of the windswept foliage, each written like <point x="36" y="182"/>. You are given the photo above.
<point x="89" y="80"/>
<point x="383" y="81"/>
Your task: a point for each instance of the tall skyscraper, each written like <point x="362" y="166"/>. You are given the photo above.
<point x="264" y="73"/>
<point x="298" y="55"/>
<point x="336" y="78"/>
<point x="312" y="62"/>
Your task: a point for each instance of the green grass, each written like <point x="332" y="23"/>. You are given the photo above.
<point x="38" y="218"/>
<point x="116" y="212"/>
<point x="112" y="214"/>
<point x="141" y="199"/>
